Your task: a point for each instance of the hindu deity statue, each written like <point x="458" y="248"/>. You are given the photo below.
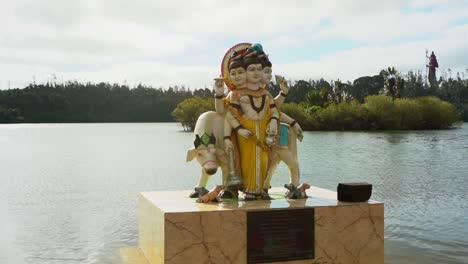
<point x="251" y="124"/>
<point x="432" y="65"/>
<point x="254" y="118"/>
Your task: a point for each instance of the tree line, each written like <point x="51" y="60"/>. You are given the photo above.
<point x="89" y="102"/>
<point x="388" y="100"/>
<point x="103" y="102"/>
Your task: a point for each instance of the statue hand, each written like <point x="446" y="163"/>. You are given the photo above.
<point x="228" y="145"/>
<point x="282" y="84"/>
<point x="272" y="127"/>
<point x="219" y="86"/>
<point x="284" y="88"/>
<point x="244" y="132"/>
<point x="298" y="130"/>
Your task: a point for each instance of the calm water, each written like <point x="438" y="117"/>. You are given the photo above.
<point x="68" y="192"/>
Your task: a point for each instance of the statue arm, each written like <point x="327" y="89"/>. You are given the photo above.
<point x="227" y="135"/>
<point x="286" y="119"/>
<point x="219" y="104"/>
<point x="274" y="119"/>
<point x="230" y="117"/>
<point x="236" y="125"/>
<point x="218" y="88"/>
<point x="274" y="111"/>
<point x="279" y="99"/>
<point x="227" y="128"/>
<point x="232" y="114"/>
<point x="292" y="123"/>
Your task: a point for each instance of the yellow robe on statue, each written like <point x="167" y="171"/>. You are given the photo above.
<point x="253" y="157"/>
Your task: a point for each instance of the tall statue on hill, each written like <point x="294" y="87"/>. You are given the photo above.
<point x="432" y="65"/>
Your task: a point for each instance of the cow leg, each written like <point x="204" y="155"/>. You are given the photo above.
<point x="225" y="172"/>
<point x="287" y="157"/>
<point x="203" y="180"/>
<point x="200" y="189"/>
<point x="226" y="192"/>
<point x="275" y="160"/>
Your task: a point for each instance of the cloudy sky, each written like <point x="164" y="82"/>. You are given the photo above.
<point x="163" y="43"/>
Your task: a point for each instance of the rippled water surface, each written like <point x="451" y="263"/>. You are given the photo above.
<point x="68" y="192"/>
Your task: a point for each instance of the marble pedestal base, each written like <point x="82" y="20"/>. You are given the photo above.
<point x="175" y="229"/>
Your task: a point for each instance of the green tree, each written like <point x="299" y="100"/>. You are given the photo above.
<point x="366" y="85"/>
<point x="414" y="85"/>
<point x="188" y="111"/>
<point x="9" y="115"/>
<point x="393" y="82"/>
<point x="317" y="97"/>
<point x="298" y="91"/>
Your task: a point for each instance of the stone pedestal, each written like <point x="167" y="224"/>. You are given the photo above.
<point x="175" y="229"/>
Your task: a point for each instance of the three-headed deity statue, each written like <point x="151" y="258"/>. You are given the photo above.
<point x="255" y="132"/>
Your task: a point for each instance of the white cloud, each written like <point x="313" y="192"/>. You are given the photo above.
<point x="182" y="42"/>
<point x="55" y="13"/>
<point x="154" y="74"/>
<point x="369" y="60"/>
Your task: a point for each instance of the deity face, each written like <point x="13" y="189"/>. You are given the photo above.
<point x="266" y="75"/>
<point x="254" y="73"/>
<point x="238" y="77"/>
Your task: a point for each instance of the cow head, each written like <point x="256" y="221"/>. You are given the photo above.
<point x="205" y="152"/>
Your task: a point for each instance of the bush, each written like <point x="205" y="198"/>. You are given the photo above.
<point x="409" y="112"/>
<point x="382" y="112"/>
<point x="437" y="114"/>
<point x="301" y="114"/>
<point x="378" y="112"/>
<point x="188" y="111"/>
<point x="313" y="115"/>
<point x="344" y="116"/>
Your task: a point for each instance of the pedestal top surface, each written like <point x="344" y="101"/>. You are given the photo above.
<point x="179" y="201"/>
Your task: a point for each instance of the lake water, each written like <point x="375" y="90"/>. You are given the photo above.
<point x="68" y="192"/>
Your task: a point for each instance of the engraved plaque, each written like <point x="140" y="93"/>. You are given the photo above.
<point x="280" y="235"/>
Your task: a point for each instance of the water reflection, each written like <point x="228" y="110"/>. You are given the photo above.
<point x="69" y="192"/>
<point x="395" y="137"/>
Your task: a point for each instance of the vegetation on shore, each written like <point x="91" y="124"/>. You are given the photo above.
<point x="378" y="112"/>
<point x="389" y="100"/>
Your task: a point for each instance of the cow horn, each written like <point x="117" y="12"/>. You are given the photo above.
<point x="196" y="143"/>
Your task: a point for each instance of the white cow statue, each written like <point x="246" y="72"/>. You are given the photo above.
<point x="208" y="149"/>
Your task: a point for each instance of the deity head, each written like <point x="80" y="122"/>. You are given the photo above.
<point x="266" y="68"/>
<point x="237" y="72"/>
<point x="254" y="70"/>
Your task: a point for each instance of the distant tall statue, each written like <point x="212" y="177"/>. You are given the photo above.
<point x="432" y="65"/>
